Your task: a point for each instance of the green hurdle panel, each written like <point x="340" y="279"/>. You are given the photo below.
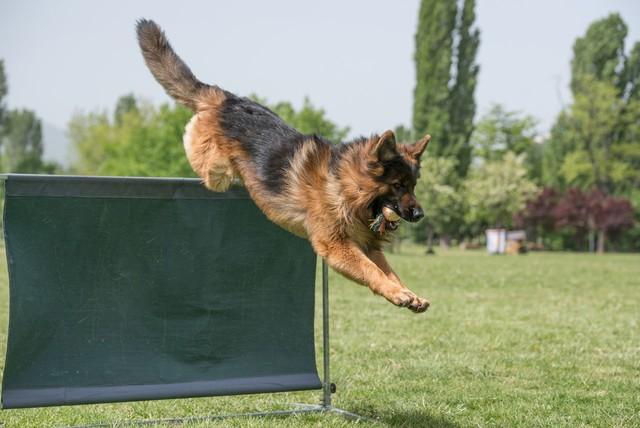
<point x="134" y="289"/>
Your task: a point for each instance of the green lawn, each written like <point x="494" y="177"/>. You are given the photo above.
<point x="547" y="339"/>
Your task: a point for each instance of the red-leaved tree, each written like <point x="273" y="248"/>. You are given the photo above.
<point x="537" y="216"/>
<point x="610" y="216"/>
<point x="593" y="211"/>
<point x="572" y="212"/>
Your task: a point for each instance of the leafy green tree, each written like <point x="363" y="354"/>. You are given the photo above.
<point x="150" y="143"/>
<point x="439" y="192"/>
<point x="142" y="141"/>
<point x="89" y="135"/>
<point x="403" y="134"/>
<point x="501" y="131"/>
<point x="561" y="142"/>
<point x="534" y="160"/>
<point x="22" y="143"/>
<point x="600" y="53"/>
<point x="444" y="104"/>
<point x="595" y="141"/>
<point x="496" y="190"/>
<point x="603" y="155"/>
<point x="631" y="73"/>
<point x="125" y="104"/>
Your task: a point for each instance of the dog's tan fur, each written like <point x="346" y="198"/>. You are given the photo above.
<point x="329" y="206"/>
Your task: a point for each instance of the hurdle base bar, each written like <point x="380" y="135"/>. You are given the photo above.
<point x="303" y="409"/>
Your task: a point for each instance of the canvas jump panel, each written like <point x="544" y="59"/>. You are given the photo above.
<point x="133" y="289"/>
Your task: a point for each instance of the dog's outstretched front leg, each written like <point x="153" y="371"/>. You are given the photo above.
<point x="380" y="260"/>
<point x="377" y="257"/>
<point x="349" y="260"/>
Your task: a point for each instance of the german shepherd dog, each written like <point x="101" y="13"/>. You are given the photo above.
<point x="330" y="194"/>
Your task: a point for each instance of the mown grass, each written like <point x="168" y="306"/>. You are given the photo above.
<point x="549" y="339"/>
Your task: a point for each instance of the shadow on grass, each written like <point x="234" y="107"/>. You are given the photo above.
<point x="416" y="419"/>
<point x="406" y="419"/>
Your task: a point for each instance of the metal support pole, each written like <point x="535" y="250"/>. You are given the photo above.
<point x="326" y="386"/>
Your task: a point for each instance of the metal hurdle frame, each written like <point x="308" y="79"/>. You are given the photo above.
<point x="328" y="388"/>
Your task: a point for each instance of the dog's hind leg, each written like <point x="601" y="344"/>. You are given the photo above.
<point x="219" y="173"/>
<point x="207" y="155"/>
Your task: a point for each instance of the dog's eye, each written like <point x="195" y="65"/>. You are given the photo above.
<point x="397" y="186"/>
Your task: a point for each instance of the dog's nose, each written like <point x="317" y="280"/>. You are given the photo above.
<point x="417" y="213"/>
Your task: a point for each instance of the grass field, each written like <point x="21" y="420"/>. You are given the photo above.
<point x="548" y="339"/>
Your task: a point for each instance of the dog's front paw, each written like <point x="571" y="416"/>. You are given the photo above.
<point x="406" y="298"/>
<point x="419" y="305"/>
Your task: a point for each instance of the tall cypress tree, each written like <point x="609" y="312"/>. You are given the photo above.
<point x="463" y="104"/>
<point x="632" y="73"/>
<point x="433" y="57"/>
<point x="600" y="53"/>
<point x="444" y="105"/>
<point x="594" y="143"/>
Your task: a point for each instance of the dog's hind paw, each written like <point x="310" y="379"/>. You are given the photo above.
<point x="219" y="177"/>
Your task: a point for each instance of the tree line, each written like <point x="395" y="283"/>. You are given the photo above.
<point x="577" y="188"/>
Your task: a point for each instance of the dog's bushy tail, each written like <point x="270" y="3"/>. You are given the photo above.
<point x="166" y="66"/>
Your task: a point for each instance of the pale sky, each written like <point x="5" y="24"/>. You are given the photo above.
<point x="352" y="58"/>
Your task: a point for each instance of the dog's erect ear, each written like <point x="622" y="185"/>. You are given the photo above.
<point x="385" y="148"/>
<point x="416" y="149"/>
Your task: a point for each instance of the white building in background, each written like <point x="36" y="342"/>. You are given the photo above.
<point x="496" y="241"/>
<point x="500" y="241"/>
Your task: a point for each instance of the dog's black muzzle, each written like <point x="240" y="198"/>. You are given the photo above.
<point x="414" y="214"/>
